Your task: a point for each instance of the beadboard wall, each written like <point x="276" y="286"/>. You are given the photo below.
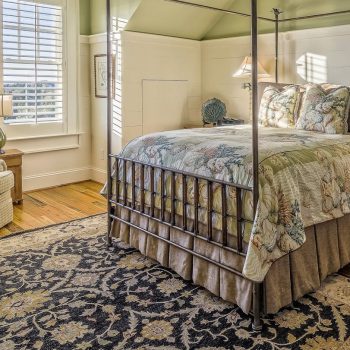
<point x="161" y="83"/>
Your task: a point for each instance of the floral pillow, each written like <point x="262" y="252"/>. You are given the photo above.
<point x="278" y="108"/>
<point x="325" y="110"/>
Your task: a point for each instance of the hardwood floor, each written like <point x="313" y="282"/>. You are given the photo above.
<point x="56" y="205"/>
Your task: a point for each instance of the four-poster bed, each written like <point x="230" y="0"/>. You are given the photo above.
<point x="163" y="206"/>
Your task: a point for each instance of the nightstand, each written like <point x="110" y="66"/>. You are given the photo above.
<point x="197" y="126"/>
<point x="13" y="160"/>
<point x="230" y="123"/>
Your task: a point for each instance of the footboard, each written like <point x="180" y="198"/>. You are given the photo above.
<point x="162" y="194"/>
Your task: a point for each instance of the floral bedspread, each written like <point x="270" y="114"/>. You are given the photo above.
<point x="304" y="178"/>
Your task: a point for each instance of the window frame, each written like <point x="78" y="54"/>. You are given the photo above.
<point x="70" y="120"/>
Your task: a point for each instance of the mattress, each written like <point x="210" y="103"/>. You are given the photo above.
<point x="304" y="179"/>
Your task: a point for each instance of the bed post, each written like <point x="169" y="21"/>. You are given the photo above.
<point x="257" y="288"/>
<point x="109" y="121"/>
<point x="277" y="12"/>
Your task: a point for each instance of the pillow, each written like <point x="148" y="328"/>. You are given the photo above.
<point x="328" y="87"/>
<point x="278" y="108"/>
<point x="325" y="110"/>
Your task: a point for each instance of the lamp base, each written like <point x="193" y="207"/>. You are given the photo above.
<point x="247" y="86"/>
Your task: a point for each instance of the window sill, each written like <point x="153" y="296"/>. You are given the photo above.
<point x="32" y="123"/>
<point x="51" y="149"/>
<point x="51" y="143"/>
<point x="12" y="139"/>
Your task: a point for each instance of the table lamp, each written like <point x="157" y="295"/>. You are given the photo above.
<point x="6" y="110"/>
<point x="245" y="71"/>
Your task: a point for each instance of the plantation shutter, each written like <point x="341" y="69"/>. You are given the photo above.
<point x="32" y="48"/>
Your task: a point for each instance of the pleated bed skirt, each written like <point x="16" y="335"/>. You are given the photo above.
<point x="326" y="251"/>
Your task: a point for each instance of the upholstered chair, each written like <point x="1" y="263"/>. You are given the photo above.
<point x="6" y="183"/>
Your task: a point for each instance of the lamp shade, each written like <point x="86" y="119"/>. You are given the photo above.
<point x="245" y="70"/>
<point x="6" y="105"/>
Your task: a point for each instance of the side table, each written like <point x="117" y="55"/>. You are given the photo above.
<point x="13" y="160"/>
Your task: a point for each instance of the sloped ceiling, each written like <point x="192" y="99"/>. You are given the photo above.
<point x="165" y="18"/>
<point x="230" y="25"/>
<point x="124" y="8"/>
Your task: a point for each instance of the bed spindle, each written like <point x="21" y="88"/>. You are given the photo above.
<point x="173" y="207"/>
<point x="162" y="195"/>
<point x="142" y="188"/>
<point x="239" y="219"/>
<point x="184" y="202"/>
<point x="224" y="215"/>
<point x="210" y="210"/>
<point x="152" y="190"/>
<point x="133" y="194"/>
<point x="125" y="185"/>
<point x="196" y="201"/>
<point x="117" y="181"/>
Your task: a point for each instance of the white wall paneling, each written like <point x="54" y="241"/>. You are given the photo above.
<point x="164" y="105"/>
<point x="98" y="46"/>
<point x="160" y="89"/>
<point x="325" y="49"/>
<point x="161" y="83"/>
<point x="151" y="65"/>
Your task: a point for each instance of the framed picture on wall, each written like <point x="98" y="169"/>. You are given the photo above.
<point x="100" y="64"/>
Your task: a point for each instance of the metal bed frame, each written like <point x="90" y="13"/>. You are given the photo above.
<point x="120" y="199"/>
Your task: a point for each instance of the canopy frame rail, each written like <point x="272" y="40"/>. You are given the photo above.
<point x="318" y="15"/>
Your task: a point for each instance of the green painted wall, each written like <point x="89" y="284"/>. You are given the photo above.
<point x="120" y="8"/>
<point x="98" y="16"/>
<point x="85" y="17"/>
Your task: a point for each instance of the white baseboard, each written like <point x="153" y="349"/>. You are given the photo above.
<point x="57" y="178"/>
<point x="99" y="175"/>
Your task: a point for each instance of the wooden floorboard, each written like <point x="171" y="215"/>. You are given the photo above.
<point x="56" y="205"/>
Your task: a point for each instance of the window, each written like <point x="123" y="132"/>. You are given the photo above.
<point x="118" y="25"/>
<point x="32" y="48"/>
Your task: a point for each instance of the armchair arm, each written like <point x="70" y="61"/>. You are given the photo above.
<point x="3" y="166"/>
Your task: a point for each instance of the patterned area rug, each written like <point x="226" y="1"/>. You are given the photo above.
<point x="60" y="288"/>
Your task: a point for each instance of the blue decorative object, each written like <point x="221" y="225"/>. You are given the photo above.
<point x="213" y="111"/>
